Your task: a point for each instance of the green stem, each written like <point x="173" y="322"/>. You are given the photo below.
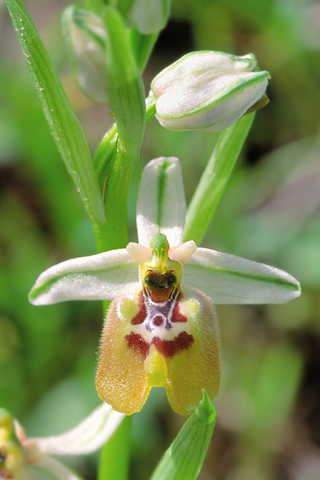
<point x="215" y="178"/>
<point x="115" y="456"/>
<point x="142" y="46"/>
<point x="120" y="172"/>
<point x="106" y="149"/>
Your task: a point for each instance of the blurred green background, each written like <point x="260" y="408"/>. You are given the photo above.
<point x="268" y="424"/>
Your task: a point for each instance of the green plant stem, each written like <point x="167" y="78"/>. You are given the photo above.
<point x="215" y="178"/>
<point x="115" y="456"/>
<point x="104" y="153"/>
<point x="142" y="46"/>
<point x="114" y="168"/>
<point x="106" y="149"/>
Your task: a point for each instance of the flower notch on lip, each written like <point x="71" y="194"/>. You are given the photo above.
<point x="161" y="328"/>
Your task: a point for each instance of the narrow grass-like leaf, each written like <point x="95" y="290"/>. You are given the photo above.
<point x="184" y="458"/>
<point x="215" y="179"/>
<point x="63" y="123"/>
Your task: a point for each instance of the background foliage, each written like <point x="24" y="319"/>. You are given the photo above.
<point x="268" y="409"/>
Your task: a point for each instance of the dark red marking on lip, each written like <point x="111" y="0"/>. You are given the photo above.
<point x="167" y="348"/>
<point x="135" y="341"/>
<point x="141" y="315"/>
<point x="158" y="321"/>
<point x="159" y="295"/>
<point x="176" y="314"/>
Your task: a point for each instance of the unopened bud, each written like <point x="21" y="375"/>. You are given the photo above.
<point x="85" y="38"/>
<point x="207" y="91"/>
<point x="149" y="16"/>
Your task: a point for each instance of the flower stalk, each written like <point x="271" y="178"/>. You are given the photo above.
<point x="215" y="178"/>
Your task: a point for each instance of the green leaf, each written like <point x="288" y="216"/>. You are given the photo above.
<point x="63" y="123"/>
<point x="183" y="459"/>
<point x="215" y="179"/>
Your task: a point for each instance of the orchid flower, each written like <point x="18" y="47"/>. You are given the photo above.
<point x="23" y="458"/>
<point x="161" y="328"/>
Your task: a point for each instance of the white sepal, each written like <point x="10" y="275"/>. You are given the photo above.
<point x="85" y="438"/>
<point x="161" y="204"/>
<point x="49" y="469"/>
<point x="98" y="277"/>
<point x="149" y="16"/>
<point x="230" y="279"/>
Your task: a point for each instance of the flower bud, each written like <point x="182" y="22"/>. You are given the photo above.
<point x="85" y="38"/>
<point x="207" y="91"/>
<point x="149" y="16"/>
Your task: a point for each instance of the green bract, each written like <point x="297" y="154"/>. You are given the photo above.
<point x="184" y="457"/>
<point x="207" y="90"/>
<point x="85" y="38"/>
